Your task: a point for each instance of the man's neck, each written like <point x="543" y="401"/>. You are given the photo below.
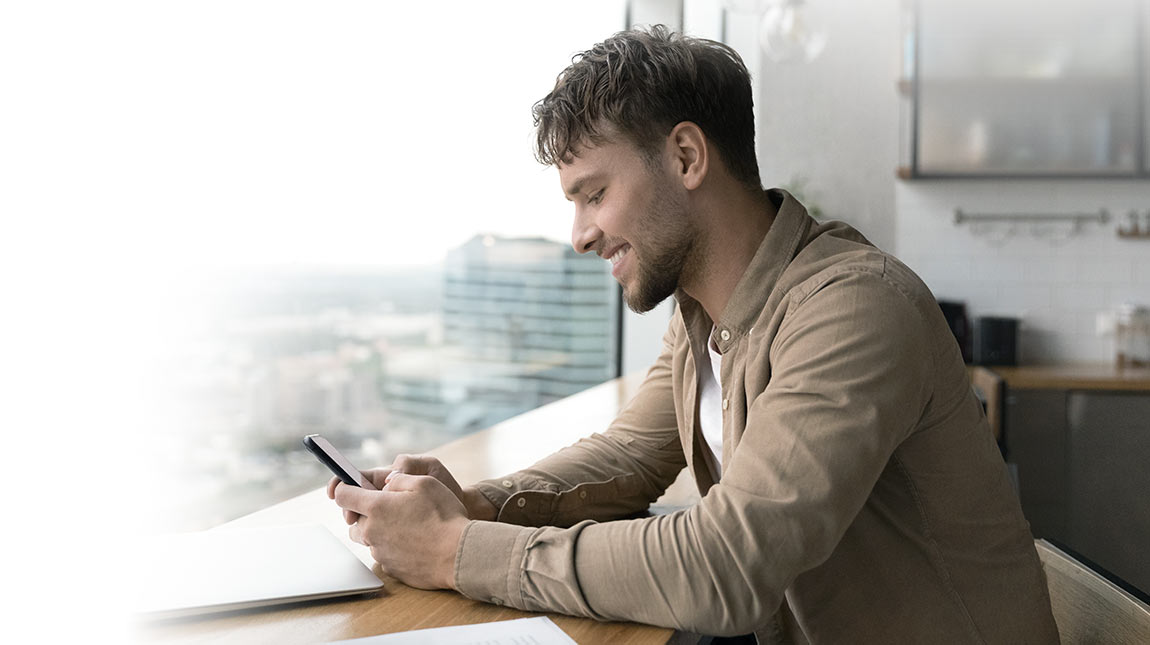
<point x="732" y="227"/>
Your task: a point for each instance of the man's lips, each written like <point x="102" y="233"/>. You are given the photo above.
<point x="610" y="253"/>
<point x="617" y="257"/>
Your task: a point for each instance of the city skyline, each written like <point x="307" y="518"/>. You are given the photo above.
<point x="381" y="362"/>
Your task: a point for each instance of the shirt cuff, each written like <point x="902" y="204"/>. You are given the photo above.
<point x="481" y="547"/>
<point x="497" y="491"/>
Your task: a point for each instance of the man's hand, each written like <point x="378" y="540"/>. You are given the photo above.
<point x="478" y="507"/>
<point x="378" y="478"/>
<point x="412" y="526"/>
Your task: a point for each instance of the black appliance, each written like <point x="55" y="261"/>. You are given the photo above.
<point x="955" y="314"/>
<point x="995" y="341"/>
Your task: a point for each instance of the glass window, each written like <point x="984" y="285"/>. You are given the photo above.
<point x="368" y="248"/>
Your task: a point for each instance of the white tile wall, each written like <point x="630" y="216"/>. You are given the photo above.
<point x="1056" y="282"/>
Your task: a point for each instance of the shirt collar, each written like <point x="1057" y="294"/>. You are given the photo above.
<point x="779" y="246"/>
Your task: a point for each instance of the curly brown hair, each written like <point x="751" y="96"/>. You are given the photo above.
<point x="641" y="84"/>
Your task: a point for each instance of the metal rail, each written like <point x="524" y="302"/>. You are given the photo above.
<point x="1101" y="217"/>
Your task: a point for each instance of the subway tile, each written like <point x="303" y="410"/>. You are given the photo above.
<point x="1088" y="325"/>
<point x="1117" y="294"/>
<point x="946" y="269"/>
<point x="1057" y="286"/>
<point x="1024" y="296"/>
<point x="1039" y="321"/>
<point x="993" y="268"/>
<point x="1142" y="267"/>
<point x="1082" y="297"/>
<point x="1047" y="270"/>
<point x="1082" y="349"/>
<point x="976" y="295"/>
<point x="952" y="290"/>
<point x="1104" y="271"/>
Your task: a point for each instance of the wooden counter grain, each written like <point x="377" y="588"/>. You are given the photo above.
<point x="503" y="448"/>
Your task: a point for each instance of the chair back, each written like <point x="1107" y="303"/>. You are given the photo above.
<point x="1089" y="608"/>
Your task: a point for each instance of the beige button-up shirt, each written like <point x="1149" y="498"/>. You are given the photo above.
<point x="863" y="498"/>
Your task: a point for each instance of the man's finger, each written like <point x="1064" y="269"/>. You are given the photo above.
<point x="331" y="484"/>
<point x="399" y="482"/>
<point x="377" y="476"/>
<point x="414" y="464"/>
<point x="356" y="534"/>
<point x="354" y="498"/>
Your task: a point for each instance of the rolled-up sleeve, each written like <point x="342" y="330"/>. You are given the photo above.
<point x="849" y="366"/>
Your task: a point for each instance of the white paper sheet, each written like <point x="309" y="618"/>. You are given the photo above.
<point x="522" y="631"/>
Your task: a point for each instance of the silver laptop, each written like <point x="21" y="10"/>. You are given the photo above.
<point x="230" y="569"/>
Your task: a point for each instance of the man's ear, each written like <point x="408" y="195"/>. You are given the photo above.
<point x="688" y="147"/>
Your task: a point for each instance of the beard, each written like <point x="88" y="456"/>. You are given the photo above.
<point x="666" y="254"/>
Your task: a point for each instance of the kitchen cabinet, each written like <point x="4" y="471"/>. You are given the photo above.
<point x="1108" y="515"/>
<point x="1080" y="443"/>
<point x="1024" y="89"/>
<point x="1038" y="448"/>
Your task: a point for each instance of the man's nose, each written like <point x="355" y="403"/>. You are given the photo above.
<point x="584" y="233"/>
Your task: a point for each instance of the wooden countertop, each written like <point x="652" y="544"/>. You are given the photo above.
<point x="503" y="448"/>
<point x="1090" y="376"/>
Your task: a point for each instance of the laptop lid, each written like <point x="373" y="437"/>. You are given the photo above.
<point x="228" y="569"/>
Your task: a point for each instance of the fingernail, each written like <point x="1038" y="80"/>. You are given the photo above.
<point x="387" y="480"/>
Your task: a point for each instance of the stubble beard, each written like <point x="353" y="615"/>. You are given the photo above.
<point x="670" y="238"/>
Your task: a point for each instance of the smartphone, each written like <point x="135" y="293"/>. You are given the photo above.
<point x="336" y="462"/>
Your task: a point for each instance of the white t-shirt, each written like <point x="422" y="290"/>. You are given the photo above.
<point x="711" y="405"/>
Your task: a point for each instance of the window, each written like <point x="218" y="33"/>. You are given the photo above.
<point x="366" y="247"/>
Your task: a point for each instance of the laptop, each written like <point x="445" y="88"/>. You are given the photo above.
<point x="224" y="569"/>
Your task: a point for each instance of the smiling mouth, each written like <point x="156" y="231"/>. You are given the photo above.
<point x="619" y="255"/>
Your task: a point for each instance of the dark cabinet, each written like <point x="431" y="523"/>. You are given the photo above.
<point x="1083" y="466"/>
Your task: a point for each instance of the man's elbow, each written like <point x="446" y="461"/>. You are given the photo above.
<point x="738" y="613"/>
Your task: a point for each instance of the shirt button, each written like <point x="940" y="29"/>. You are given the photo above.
<point x="725" y="335"/>
<point x="507" y="483"/>
<point x="726" y="402"/>
<point x="521" y="502"/>
<point x="582" y="494"/>
<point x="496" y="601"/>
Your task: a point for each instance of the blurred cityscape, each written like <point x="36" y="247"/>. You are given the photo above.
<point x="381" y="363"/>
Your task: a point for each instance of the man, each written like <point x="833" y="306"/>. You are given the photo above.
<point x="851" y="490"/>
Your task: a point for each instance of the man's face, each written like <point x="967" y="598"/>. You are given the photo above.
<point x="633" y="215"/>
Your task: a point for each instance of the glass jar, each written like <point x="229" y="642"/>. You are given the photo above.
<point x="1132" y="336"/>
<point x="1142" y="337"/>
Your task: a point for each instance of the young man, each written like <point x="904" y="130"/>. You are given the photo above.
<point x="851" y="490"/>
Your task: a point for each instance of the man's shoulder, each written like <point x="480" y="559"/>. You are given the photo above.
<point x="837" y="256"/>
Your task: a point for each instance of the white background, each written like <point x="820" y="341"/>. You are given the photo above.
<point x="146" y="144"/>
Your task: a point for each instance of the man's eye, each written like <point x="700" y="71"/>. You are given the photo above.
<point x="596" y="198"/>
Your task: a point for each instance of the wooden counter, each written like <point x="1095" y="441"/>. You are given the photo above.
<point x="506" y="447"/>
<point x="994" y="383"/>
<point x="1075" y="377"/>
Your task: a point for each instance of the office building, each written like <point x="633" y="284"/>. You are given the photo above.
<point x="526" y="321"/>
